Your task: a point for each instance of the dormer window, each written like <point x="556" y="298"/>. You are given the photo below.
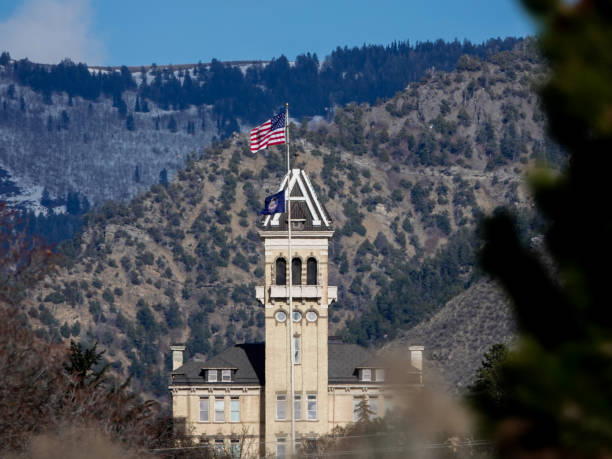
<point x="366" y="374"/>
<point x="380" y="374"/>
<point x="212" y="375"/>
<point x="226" y="375"/>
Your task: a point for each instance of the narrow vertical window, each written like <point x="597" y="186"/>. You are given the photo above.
<point x="226" y="375"/>
<point x="366" y="374"/>
<point x="312" y="407"/>
<point x="297" y="407"/>
<point x="235" y="409"/>
<point x="373" y="405"/>
<point x="281" y="407"/>
<point x="296" y="271"/>
<point x="311" y="271"/>
<point x="281" y="448"/>
<point x="281" y="271"/>
<point x="380" y="374"/>
<point x="212" y="375"/>
<point x="235" y="448"/>
<point x="389" y="405"/>
<point x="203" y="409"/>
<point x="219" y="447"/>
<point x="297" y="352"/>
<point x="219" y="409"/>
<point x="357" y="407"/>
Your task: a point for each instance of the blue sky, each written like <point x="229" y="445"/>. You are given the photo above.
<point x="140" y="32"/>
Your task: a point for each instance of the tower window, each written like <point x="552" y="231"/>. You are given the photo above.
<point x="281" y="271"/>
<point x="296" y="274"/>
<point x="311" y="271"/>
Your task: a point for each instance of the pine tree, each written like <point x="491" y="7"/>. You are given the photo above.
<point x="558" y="383"/>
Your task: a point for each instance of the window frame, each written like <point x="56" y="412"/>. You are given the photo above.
<point x="296" y="271"/>
<point x="234" y="401"/>
<point x="278" y="270"/>
<point x="235" y="449"/>
<point x="204" y="401"/>
<point x="281" y="403"/>
<point x="374" y="406"/>
<point x="377" y="374"/>
<point x="357" y="399"/>
<point x="209" y="376"/>
<point x="309" y="411"/>
<point x="309" y="273"/>
<point x="297" y="403"/>
<point x="221" y="400"/>
<point x="227" y="373"/>
<point x="281" y="442"/>
<point x="367" y="371"/>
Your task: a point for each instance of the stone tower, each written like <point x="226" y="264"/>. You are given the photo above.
<point x="311" y="229"/>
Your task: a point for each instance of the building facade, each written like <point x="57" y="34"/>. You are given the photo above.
<point x="262" y="398"/>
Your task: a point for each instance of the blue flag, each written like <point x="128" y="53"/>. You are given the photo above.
<point x="275" y="204"/>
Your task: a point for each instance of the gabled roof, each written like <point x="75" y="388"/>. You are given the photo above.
<point x="248" y="361"/>
<point x="305" y="206"/>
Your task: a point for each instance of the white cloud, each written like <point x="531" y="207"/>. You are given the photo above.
<point x="48" y="31"/>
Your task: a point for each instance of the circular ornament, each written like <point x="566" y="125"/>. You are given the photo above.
<point x="311" y="316"/>
<point x="280" y="316"/>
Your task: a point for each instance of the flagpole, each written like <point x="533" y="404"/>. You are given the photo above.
<point x="291" y="346"/>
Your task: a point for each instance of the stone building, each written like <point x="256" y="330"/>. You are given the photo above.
<point x="240" y="400"/>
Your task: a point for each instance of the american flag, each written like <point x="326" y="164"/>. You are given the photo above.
<point x="272" y="132"/>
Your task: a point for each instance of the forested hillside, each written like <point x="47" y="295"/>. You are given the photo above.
<point x="405" y="181"/>
<point x="109" y="133"/>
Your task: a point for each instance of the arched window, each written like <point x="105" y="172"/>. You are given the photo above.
<point x="311" y="271"/>
<point x="296" y="271"/>
<point x="281" y="271"/>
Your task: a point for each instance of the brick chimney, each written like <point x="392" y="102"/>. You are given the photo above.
<point x="177" y="355"/>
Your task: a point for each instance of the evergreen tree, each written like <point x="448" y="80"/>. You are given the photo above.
<point x="558" y="383"/>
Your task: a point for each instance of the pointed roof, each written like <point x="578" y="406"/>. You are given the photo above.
<point x="305" y="206"/>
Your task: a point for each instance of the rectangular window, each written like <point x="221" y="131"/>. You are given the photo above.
<point x="380" y="374"/>
<point x="373" y="405"/>
<point x="219" y="409"/>
<point x="204" y="409"/>
<point x="219" y="447"/>
<point x="312" y="407"/>
<point x="226" y="375"/>
<point x="281" y="407"/>
<point x="235" y="448"/>
<point x="296" y="350"/>
<point x="212" y="375"/>
<point x="366" y="374"/>
<point x="281" y="448"/>
<point x="356" y="407"/>
<point x="389" y="405"/>
<point x="235" y="409"/>
<point x="297" y="407"/>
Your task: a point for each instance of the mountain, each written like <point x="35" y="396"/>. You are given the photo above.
<point x="457" y="336"/>
<point x="405" y="180"/>
<point x="110" y="133"/>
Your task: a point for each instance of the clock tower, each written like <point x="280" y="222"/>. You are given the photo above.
<point x="296" y="316"/>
